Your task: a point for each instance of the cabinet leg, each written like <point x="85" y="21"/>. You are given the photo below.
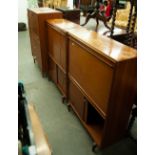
<point x="34" y="60"/>
<point x="69" y="107"/>
<point x="94" y="147"/>
<point x="63" y="98"/>
<point x="49" y="79"/>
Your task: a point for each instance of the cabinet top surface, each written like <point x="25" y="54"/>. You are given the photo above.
<point x="103" y="45"/>
<point x="43" y="10"/>
<point x="62" y="24"/>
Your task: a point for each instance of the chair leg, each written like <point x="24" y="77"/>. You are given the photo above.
<point x="105" y="21"/>
<point x="93" y="15"/>
<point x="97" y="22"/>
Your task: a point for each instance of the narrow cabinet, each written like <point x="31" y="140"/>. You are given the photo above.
<point x="36" y="22"/>
<point x="57" y="47"/>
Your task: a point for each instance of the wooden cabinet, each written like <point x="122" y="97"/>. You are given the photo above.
<point x="96" y="74"/>
<point x="57" y="34"/>
<point x="36" y="21"/>
<point x="102" y="82"/>
<point x="70" y="14"/>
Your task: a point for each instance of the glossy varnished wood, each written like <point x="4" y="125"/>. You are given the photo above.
<point x="104" y="71"/>
<point x="98" y="75"/>
<point x="102" y="45"/>
<point x="36" y="21"/>
<point x="41" y="143"/>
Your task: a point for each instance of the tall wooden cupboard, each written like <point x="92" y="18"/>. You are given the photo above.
<point x="36" y="22"/>
<point x="102" y="84"/>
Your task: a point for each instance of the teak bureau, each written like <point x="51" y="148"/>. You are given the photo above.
<point x="99" y="75"/>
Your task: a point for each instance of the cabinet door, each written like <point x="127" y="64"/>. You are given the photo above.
<point x="92" y="75"/>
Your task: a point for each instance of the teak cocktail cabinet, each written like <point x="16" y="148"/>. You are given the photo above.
<point x="97" y="75"/>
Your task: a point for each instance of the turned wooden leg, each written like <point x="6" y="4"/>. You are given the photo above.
<point x="97" y="22"/>
<point x="93" y="15"/>
<point x="106" y="25"/>
<point x="69" y="107"/>
<point x="63" y="98"/>
<point x="34" y="60"/>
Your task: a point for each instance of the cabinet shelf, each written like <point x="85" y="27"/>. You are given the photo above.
<point x="93" y="122"/>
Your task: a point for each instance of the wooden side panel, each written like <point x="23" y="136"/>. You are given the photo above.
<point x="121" y="100"/>
<point x="93" y="75"/>
<point x="33" y="31"/>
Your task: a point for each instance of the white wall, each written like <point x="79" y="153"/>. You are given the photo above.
<point x="70" y="3"/>
<point x="22" y="11"/>
<point x="24" y="4"/>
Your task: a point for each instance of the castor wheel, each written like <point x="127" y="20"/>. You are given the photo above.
<point x="94" y="147"/>
<point x="63" y="98"/>
<point x="69" y="107"/>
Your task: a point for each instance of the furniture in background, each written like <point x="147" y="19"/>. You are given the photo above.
<point x="99" y="16"/>
<point x="130" y="37"/>
<point x="40" y="3"/>
<point x="36" y="22"/>
<point x="98" y="75"/>
<point x="70" y="14"/>
<point x="122" y="16"/>
<point x="87" y="6"/>
<point x="55" y="3"/>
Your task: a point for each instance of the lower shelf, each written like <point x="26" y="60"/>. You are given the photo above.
<point x="94" y="128"/>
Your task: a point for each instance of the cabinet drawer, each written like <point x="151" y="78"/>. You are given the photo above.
<point x="76" y="99"/>
<point x="62" y="80"/>
<point x="52" y="71"/>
